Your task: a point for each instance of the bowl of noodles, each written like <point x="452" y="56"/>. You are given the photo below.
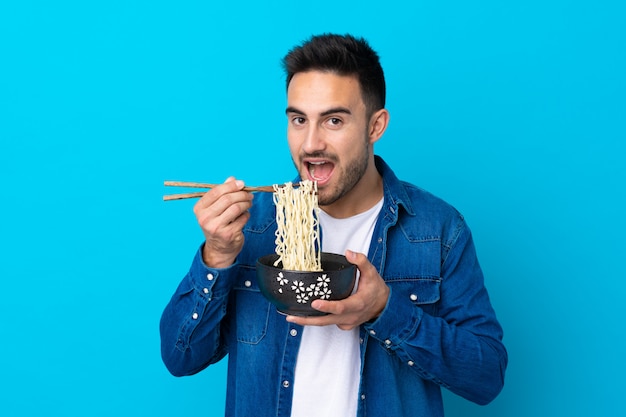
<point x="299" y="272"/>
<point x="292" y="292"/>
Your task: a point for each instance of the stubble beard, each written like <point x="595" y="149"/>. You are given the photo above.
<point x="348" y="179"/>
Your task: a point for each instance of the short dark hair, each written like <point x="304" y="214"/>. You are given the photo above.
<point x="343" y="55"/>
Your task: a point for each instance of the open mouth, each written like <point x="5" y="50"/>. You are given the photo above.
<point x="320" y="171"/>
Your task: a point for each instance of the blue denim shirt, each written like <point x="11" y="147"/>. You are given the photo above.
<point x="437" y="330"/>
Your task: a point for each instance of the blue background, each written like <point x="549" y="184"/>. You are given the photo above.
<point x="514" y="112"/>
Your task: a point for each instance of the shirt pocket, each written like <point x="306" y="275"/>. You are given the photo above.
<point x="423" y="292"/>
<point x="251" y="309"/>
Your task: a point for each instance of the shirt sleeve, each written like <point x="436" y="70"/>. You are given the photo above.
<point x="459" y="348"/>
<point x="192" y="326"/>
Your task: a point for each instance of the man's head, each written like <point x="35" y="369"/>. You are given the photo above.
<point x="335" y="113"/>
<point x="342" y="55"/>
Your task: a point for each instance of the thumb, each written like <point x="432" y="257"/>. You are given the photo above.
<point x="359" y="259"/>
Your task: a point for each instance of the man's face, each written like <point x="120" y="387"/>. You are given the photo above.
<point x="327" y="132"/>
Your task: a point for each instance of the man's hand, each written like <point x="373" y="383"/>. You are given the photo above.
<point x="222" y="212"/>
<point x="367" y="303"/>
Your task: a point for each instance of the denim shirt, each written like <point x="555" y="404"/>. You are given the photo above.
<point x="438" y="328"/>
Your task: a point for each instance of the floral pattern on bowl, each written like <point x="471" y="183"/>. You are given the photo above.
<point x="293" y="291"/>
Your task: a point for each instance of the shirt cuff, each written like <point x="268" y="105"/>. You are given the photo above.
<point x="211" y="282"/>
<point x="390" y="331"/>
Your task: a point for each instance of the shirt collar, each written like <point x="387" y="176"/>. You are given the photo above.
<point x="394" y="188"/>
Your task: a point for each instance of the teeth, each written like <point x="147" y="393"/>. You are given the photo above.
<point x="312" y="167"/>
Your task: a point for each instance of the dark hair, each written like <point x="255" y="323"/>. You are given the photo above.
<point x="343" y="55"/>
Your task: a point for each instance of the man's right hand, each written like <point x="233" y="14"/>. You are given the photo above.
<point x="222" y="212"/>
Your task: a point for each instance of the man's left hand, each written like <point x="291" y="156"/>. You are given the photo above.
<point x="365" y="304"/>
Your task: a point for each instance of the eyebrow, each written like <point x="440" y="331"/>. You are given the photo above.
<point x="324" y="113"/>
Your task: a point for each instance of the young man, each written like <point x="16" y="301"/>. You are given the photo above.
<point x="420" y="318"/>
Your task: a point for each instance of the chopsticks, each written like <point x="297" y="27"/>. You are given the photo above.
<point x="262" y="188"/>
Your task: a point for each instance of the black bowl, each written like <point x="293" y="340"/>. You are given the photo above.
<point x="293" y="291"/>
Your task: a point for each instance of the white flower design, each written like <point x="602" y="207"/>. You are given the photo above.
<point x="302" y="298"/>
<point x="310" y="290"/>
<point x="324" y="293"/>
<point x="298" y="287"/>
<point x="323" y="281"/>
<point x="304" y="293"/>
<point x="281" y="279"/>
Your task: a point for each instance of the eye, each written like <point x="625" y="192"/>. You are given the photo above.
<point x="334" y="121"/>
<point x="298" y="121"/>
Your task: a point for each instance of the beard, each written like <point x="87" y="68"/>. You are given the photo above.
<point x="348" y="177"/>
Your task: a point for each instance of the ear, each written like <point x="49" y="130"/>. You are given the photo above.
<point x="378" y="125"/>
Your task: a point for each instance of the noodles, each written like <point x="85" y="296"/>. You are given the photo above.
<point x="297" y="233"/>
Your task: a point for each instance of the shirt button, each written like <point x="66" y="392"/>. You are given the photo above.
<point x="413" y="297"/>
<point x="388" y="342"/>
<point x="410" y="363"/>
<point x="293" y="332"/>
<point x="247" y="283"/>
<point x="209" y="276"/>
<point x="372" y="332"/>
<point x="361" y="340"/>
<point x="205" y="290"/>
<point x="194" y="316"/>
<point x="286" y="384"/>
<point x="380" y="240"/>
<point x="362" y="396"/>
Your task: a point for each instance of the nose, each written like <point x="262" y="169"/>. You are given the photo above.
<point x="313" y="140"/>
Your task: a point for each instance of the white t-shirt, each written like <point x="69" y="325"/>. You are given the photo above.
<point x="329" y="361"/>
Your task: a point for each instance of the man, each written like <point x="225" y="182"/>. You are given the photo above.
<point x="420" y="317"/>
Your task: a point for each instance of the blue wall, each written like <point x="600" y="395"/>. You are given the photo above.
<point x="512" y="111"/>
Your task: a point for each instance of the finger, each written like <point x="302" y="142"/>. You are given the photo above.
<point x="343" y="322"/>
<point x="231" y="185"/>
<point x="224" y="203"/>
<point x="227" y="222"/>
<point x="234" y="229"/>
<point x="239" y="222"/>
<point x="334" y="308"/>
<point x="361" y="262"/>
<point x="331" y="307"/>
<point x="371" y="285"/>
<point x="312" y="320"/>
<point x="232" y="211"/>
<point x="356" y="258"/>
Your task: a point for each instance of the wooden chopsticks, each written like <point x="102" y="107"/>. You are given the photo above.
<point x="262" y="188"/>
